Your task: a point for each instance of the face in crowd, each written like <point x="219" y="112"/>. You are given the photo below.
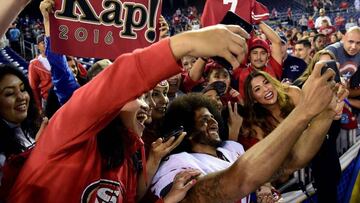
<point x="14" y="99"/>
<point x="220" y="74"/>
<point x="161" y="100"/>
<point x="301" y="51"/>
<point x="134" y="115"/>
<point x="188" y="62"/>
<point x="72" y="65"/>
<point x="174" y="84"/>
<point x="41" y="47"/>
<point x="258" y="57"/>
<point x="206" y="128"/>
<point x="320" y="43"/>
<point x="263" y="92"/>
<point x="351" y="41"/>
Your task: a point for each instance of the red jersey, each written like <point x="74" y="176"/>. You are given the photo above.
<point x="66" y="165"/>
<point x="249" y="10"/>
<point x="272" y="67"/>
<point x="40" y="81"/>
<point x="311" y="24"/>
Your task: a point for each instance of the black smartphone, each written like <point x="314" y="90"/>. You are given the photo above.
<point x="176" y="132"/>
<point x="232" y="18"/>
<point x="332" y="65"/>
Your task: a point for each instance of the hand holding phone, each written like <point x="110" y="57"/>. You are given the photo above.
<point x="332" y="65"/>
<point x="176" y="132"/>
<point x="232" y="19"/>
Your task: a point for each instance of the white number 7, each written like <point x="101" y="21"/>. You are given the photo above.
<point x="233" y="4"/>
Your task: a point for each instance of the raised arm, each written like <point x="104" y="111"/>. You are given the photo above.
<point x="312" y="138"/>
<point x="62" y="78"/>
<point x="96" y="103"/>
<point x="262" y="160"/>
<point x="9" y="10"/>
<point x="197" y="70"/>
<point x="275" y="41"/>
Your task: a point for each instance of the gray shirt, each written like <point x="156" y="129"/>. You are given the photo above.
<point x="348" y="64"/>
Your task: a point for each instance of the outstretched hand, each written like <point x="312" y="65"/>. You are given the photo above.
<point x="318" y="90"/>
<point x="227" y="41"/>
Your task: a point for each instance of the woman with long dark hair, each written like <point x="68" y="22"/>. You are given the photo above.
<point x="19" y="123"/>
<point x="267" y="102"/>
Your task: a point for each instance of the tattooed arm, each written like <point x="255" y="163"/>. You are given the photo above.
<point x="257" y="165"/>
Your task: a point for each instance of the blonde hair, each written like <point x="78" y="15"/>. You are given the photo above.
<point x="312" y="63"/>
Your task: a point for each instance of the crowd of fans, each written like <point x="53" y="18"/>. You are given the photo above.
<point x="129" y="130"/>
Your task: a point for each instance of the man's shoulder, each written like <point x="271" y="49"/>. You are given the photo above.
<point x="335" y="47"/>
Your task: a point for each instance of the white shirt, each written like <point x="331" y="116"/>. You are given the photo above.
<point x="205" y="163"/>
<point x="320" y="19"/>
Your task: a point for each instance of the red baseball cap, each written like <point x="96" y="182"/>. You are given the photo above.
<point x="258" y="42"/>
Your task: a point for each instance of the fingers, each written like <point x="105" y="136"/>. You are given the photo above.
<point x="185" y="177"/>
<point x="328" y="75"/>
<point x="157" y="143"/>
<point x="235" y="107"/>
<point x="317" y="69"/>
<point x="230" y="108"/>
<point x="177" y="141"/>
<point x="238" y="30"/>
<point x="231" y="59"/>
<point x="42" y="127"/>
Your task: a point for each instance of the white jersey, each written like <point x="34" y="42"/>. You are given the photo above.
<point x="205" y="163"/>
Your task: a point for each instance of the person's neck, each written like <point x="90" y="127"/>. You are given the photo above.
<point x="274" y="109"/>
<point x="204" y="149"/>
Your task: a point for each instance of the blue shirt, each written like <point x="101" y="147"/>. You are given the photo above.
<point x="293" y="67"/>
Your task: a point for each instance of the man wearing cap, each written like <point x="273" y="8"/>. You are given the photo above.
<point x="293" y="66"/>
<point x="260" y="56"/>
<point x="40" y="75"/>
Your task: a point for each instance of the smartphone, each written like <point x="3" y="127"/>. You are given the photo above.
<point x="176" y="132"/>
<point x="232" y="18"/>
<point x="332" y="65"/>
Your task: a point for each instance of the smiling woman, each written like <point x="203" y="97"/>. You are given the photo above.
<point x="19" y="123"/>
<point x="19" y="117"/>
<point x="267" y="102"/>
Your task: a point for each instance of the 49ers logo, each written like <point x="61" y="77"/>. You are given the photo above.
<point x="103" y="191"/>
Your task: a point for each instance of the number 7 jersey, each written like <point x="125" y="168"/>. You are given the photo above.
<point x="250" y="10"/>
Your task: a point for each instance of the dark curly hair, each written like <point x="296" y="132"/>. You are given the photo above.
<point x="181" y="112"/>
<point x="9" y="143"/>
